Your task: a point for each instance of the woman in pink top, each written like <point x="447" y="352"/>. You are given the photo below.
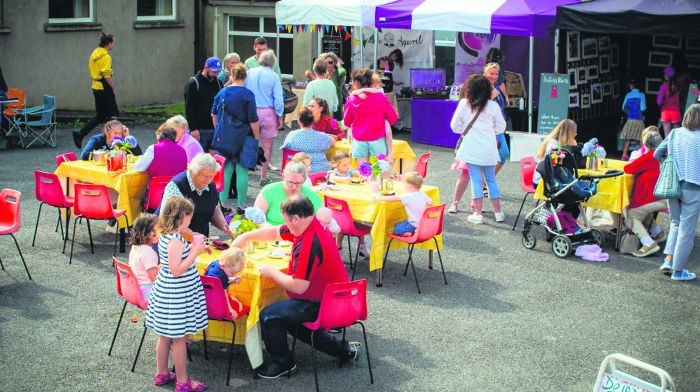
<point x="143" y="260"/>
<point x="367" y="117"/>
<point x="669" y="99"/>
<point x="184" y="139"/>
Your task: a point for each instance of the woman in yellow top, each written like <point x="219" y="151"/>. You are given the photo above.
<point x="100" y="66"/>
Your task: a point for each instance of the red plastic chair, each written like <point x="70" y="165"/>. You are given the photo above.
<point x="156" y="188"/>
<point x="348" y="227"/>
<point x="422" y="164"/>
<point x="47" y="190"/>
<point x="287" y="155"/>
<point x="342" y="305"/>
<point x="317" y="178"/>
<point x="129" y="289"/>
<point x="10" y="220"/>
<point x="429" y="226"/>
<point x="93" y="202"/>
<point x="217" y="309"/>
<point x="527" y="169"/>
<point x="219" y="176"/>
<point x="65" y="157"/>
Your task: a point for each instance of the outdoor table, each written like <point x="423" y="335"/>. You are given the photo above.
<point x="402" y="154"/>
<point x="130" y="185"/>
<point x="613" y="193"/>
<point x="253" y="291"/>
<point x="430" y="122"/>
<point x="381" y="216"/>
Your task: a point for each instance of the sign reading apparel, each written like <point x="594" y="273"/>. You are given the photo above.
<point x="554" y="101"/>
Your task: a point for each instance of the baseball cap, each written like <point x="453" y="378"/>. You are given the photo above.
<point x="214" y="64"/>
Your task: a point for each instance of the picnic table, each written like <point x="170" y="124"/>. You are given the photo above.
<point x="402" y="154"/>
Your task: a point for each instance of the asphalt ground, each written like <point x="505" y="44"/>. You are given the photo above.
<point x="510" y="319"/>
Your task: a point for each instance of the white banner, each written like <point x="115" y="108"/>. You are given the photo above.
<point x="470" y="53"/>
<point x="417" y="47"/>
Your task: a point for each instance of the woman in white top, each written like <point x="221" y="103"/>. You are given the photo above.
<point x="477" y="156"/>
<point x="564" y="134"/>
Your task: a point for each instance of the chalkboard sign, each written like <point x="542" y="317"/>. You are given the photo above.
<point x="332" y="44"/>
<point x="554" y="101"/>
<point x="693" y="94"/>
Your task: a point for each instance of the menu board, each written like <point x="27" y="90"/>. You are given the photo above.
<point x="332" y="44"/>
<point x="553" y="102"/>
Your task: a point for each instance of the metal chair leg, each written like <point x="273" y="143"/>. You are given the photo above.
<point x="139" y="349"/>
<point x="1" y="265"/>
<point x="92" y="246"/>
<point x="59" y="222"/>
<point x="72" y="242"/>
<point x="313" y="359"/>
<point x="357" y="258"/>
<point x="386" y="253"/>
<point x="369" y="364"/>
<point x="342" y="344"/>
<point x="413" y="267"/>
<point x="230" y="353"/>
<point x="349" y="250"/>
<point x="519" y="211"/>
<point x="21" y="256"/>
<point x="440" y="257"/>
<point x="36" y="226"/>
<point x="109" y="353"/>
<point x="116" y="237"/>
<point x="410" y="250"/>
<point x="204" y="340"/>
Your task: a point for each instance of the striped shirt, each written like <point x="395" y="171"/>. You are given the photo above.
<point x="685" y="152"/>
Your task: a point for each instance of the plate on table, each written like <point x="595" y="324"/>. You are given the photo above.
<point x="285" y="243"/>
<point x="277" y="254"/>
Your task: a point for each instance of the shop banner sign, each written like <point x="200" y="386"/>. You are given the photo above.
<point x="554" y="101"/>
<point x="416" y="46"/>
<point x="470" y="53"/>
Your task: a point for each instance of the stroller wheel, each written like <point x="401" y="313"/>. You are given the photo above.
<point x="598" y="237"/>
<point x="561" y="246"/>
<point x="529" y="240"/>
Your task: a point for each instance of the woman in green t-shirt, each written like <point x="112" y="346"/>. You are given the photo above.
<point x="272" y="195"/>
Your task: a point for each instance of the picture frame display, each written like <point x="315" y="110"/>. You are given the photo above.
<point x="615" y="90"/>
<point x="573" y="77"/>
<point x="603" y="43"/>
<point x="589" y="48"/>
<point x="666" y="41"/>
<point x="596" y="93"/>
<point x="592" y="72"/>
<point x="607" y="89"/>
<point x="652" y="85"/>
<point x="581" y="78"/>
<point x="614" y="56"/>
<point x="604" y="61"/>
<point x="692" y="43"/>
<point x="585" y="101"/>
<point x="573" y="46"/>
<point x="574" y="99"/>
<point x="660" y="59"/>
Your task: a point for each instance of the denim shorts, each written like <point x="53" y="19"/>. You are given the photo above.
<point x="366" y="149"/>
<point x="404" y="227"/>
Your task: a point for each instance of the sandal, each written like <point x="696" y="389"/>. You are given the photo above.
<point x="162" y="379"/>
<point x="187" y="386"/>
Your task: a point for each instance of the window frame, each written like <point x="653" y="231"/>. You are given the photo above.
<point x="88" y="19"/>
<point x="158" y="18"/>
<point x="260" y="33"/>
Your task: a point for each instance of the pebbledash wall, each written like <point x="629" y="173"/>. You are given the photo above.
<point x="152" y="60"/>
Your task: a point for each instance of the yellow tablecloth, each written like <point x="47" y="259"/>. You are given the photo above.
<point x="613" y="193"/>
<point x="402" y="153"/>
<point x="131" y="185"/>
<point x="381" y="215"/>
<point x="254" y="291"/>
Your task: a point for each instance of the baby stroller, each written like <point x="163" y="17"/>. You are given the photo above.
<point x="564" y="191"/>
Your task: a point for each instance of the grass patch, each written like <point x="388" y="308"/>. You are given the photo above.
<point x="158" y="111"/>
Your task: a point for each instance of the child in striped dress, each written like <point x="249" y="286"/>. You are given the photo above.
<point x="176" y="307"/>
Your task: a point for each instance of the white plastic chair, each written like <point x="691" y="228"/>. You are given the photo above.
<point x="610" y="378"/>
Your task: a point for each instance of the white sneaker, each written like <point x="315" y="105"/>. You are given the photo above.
<point x="500" y="217"/>
<point x="476" y="218"/>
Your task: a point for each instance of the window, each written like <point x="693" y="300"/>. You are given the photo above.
<point x="70" y="11"/>
<point x="155" y="10"/>
<point x="242" y="31"/>
<point x="445" y="52"/>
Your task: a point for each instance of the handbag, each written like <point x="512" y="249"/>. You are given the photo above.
<point x="466" y="131"/>
<point x="629" y="243"/>
<point x="668" y="186"/>
<point x="249" y="153"/>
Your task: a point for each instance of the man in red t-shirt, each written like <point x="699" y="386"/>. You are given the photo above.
<point x="315" y="262"/>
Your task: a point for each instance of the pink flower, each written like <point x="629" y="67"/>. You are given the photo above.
<point x="381" y="157"/>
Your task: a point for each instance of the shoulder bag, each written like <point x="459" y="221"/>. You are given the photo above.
<point x="668" y="186"/>
<point x="466" y="131"/>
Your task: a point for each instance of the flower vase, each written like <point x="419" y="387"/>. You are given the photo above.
<point x="375" y="182"/>
<point x="592" y="163"/>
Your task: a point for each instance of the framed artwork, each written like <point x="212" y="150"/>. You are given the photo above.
<point x="573" y="100"/>
<point x="615" y="90"/>
<point x="592" y="72"/>
<point x="589" y="48"/>
<point x="596" y="93"/>
<point x="603" y="43"/>
<point x="581" y="76"/>
<point x="660" y="59"/>
<point x="653" y="85"/>
<point x="693" y="60"/>
<point x="692" y="43"/>
<point x="614" y="56"/>
<point x="585" y="101"/>
<point x="572" y="78"/>
<point x="607" y="89"/>
<point x="604" y="62"/>
<point x="666" y="41"/>
<point x="573" y="46"/>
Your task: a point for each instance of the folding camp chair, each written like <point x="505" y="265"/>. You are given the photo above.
<point x="38" y="123"/>
<point x="11" y="110"/>
<point x="610" y="377"/>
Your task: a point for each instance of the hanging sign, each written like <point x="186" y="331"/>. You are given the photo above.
<point x="470" y="53"/>
<point x="553" y="102"/>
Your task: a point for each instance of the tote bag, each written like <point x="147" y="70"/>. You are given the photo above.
<point x="668" y="186"/>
